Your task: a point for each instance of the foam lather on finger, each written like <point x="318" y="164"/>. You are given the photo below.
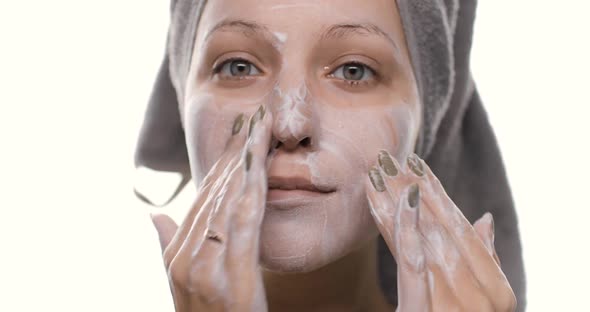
<point x="409" y="242"/>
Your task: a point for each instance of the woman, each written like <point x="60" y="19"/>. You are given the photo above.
<point x="298" y="121"/>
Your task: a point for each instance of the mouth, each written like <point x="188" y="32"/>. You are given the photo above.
<point x="295" y="187"/>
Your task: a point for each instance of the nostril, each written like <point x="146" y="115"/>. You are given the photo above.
<point x="305" y="142"/>
<point x="291" y="144"/>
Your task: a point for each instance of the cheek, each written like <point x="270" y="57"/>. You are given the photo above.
<point x="357" y="136"/>
<point x="353" y="139"/>
<point x="400" y="126"/>
<point x="208" y="123"/>
<point x="207" y="127"/>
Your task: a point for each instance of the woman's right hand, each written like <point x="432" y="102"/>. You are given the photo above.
<point x="212" y="259"/>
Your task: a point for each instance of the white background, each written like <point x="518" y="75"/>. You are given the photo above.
<point x="74" y="80"/>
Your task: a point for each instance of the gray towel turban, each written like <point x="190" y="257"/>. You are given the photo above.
<point x="456" y="139"/>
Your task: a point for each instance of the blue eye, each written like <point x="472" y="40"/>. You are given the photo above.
<point x="353" y="72"/>
<point x="237" y="68"/>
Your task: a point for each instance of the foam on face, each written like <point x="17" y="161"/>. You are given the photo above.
<point x="281" y="39"/>
<point x="343" y="145"/>
<point x="345" y="139"/>
<point x="208" y="121"/>
<point x="293" y="112"/>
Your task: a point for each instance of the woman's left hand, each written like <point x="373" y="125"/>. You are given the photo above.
<point x="443" y="262"/>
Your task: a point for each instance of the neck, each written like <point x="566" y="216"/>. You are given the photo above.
<point x="348" y="284"/>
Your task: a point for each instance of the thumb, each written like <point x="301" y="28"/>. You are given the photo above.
<point x="166" y="228"/>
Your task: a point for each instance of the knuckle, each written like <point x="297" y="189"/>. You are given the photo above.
<point x="506" y="301"/>
<point x="482" y="304"/>
<point x="247" y="199"/>
<point x="244" y="220"/>
<point x="168" y="256"/>
<point x="177" y="273"/>
<point x="217" y="201"/>
<point x="413" y="256"/>
<point x="207" y="283"/>
<point x="199" y="277"/>
<point x="247" y="210"/>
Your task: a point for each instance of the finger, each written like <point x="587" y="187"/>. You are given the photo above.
<point x="383" y="187"/>
<point x="166" y="228"/>
<point x="382" y="207"/>
<point x="209" y="264"/>
<point x="216" y="233"/>
<point x="192" y="234"/>
<point x="259" y="136"/>
<point x="210" y="185"/>
<point x="482" y="265"/>
<point x="441" y="296"/>
<point x="413" y="279"/>
<point x="223" y="189"/>
<point x="442" y="289"/>
<point x="225" y="164"/>
<point x="202" y="256"/>
<point x="249" y="212"/>
<point x="200" y="271"/>
<point x="454" y="277"/>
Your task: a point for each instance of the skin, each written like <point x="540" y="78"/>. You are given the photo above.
<point x="444" y="263"/>
<point x="282" y="220"/>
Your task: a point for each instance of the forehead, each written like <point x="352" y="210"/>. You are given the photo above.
<point x="304" y="17"/>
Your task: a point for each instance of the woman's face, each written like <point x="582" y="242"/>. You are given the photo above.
<point x="338" y="79"/>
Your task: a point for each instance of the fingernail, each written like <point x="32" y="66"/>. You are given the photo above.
<point x="377" y="180"/>
<point x="252" y="123"/>
<point x="248" y="160"/>
<point x="256" y="118"/>
<point x="414" y="196"/>
<point x="415" y="165"/>
<point x="387" y="164"/>
<point x="238" y="123"/>
<point x="262" y="111"/>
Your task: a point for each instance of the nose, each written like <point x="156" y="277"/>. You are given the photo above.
<point x="293" y="143"/>
<point x="293" y="126"/>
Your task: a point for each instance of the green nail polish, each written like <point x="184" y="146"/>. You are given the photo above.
<point x="256" y="118"/>
<point x="251" y="126"/>
<point x="238" y="123"/>
<point x="415" y="165"/>
<point x="387" y="164"/>
<point x="262" y="111"/>
<point x="414" y="196"/>
<point x="248" y="160"/>
<point x="377" y="180"/>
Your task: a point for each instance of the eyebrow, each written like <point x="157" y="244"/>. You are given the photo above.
<point x="336" y="31"/>
<point x="340" y="31"/>
<point x="247" y="28"/>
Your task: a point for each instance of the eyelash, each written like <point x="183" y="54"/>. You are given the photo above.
<point x="356" y="83"/>
<point x="217" y="69"/>
<point x="352" y="83"/>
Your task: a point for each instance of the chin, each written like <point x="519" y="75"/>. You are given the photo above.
<point x="303" y="236"/>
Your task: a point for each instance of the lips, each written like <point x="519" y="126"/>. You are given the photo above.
<point x="292" y="183"/>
